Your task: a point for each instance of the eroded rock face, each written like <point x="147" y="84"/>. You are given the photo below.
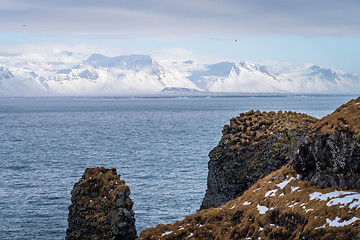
<point x="101" y="207"/>
<point x="252" y="146"/>
<point x="330" y="155"/>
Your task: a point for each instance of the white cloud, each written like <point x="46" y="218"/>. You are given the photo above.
<point x="175" y="17"/>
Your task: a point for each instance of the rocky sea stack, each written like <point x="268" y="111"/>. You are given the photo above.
<point x="253" y="145"/>
<point x="101" y="207"/>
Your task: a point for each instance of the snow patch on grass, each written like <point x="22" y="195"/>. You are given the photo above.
<point x="262" y="209"/>
<point x="342" y="198"/>
<point x="336" y="222"/>
<point x="166" y="233"/>
<point x="330" y="195"/>
<point x="246" y="203"/>
<point x="346" y="200"/>
<point x="284" y="183"/>
<point x="271" y="193"/>
<point x="257" y="189"/>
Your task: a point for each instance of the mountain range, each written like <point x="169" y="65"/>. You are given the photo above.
<point x="71" y="74"/>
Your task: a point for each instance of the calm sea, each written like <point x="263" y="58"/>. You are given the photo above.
<point x="158" y="145"/>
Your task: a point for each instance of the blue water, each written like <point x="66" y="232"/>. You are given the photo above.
<point x="158" y="145"/>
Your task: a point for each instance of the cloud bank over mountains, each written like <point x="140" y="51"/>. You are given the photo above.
<point x="71" y="74"/>
<point x="165" y="17"/>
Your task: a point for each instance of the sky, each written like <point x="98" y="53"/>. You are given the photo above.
<point x="322" y="32"/>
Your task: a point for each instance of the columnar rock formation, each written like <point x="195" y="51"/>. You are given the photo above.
<point x="101" y="207"/>
<point x="330" y="155"/>
<point x="252" y="146"/>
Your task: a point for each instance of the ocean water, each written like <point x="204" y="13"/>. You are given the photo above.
<point x="158" y="145"/>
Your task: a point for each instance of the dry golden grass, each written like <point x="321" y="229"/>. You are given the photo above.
<point x="254" y="126"/>
<point x="289" y="212"/>
<point x="281" y="205"/>
<point x="346" y="117"/>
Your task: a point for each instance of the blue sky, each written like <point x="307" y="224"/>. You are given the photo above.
<point x="323" y="32"/>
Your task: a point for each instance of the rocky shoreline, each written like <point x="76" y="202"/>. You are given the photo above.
<point x="273" y="175"/>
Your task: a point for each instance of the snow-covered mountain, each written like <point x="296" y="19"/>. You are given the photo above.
<point x="247" y="77"/>
<point x="98" y="75"/>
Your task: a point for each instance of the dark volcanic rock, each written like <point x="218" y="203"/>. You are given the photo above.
<point x="101" y="207"/>
<point x="330" y="155"/>
<point x="252" y="146"/>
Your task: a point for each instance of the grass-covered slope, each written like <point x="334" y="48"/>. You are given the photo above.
<point x="279" y="206"/>
<point x="315" y="196"/>
<point x="345" y="118"/>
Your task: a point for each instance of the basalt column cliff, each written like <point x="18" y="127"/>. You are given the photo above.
<point x="252" y="146"/>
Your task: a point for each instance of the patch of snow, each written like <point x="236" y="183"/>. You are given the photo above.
<point x="284" y="183"/>
<point x="310" y="209"/>
<point x="257" y="189"/>
<point x="233" y="207"/>
<point x="166" y="233"/>
<point x="271" y="193"/>
<point x="293" y="189"/>
<point x="282" y="194"/>
<point x="262" y="209"/>
<point x="330" y="195"/>
<point x="323" y="226"/>
<point x="298" y="177"/>
<point x="246" y="203"/>
<point x="336" y="222"/>
<point x="190" y="235"/>
<point x="291" y="206"/>
<point x="346" y="200"/>
<point x="261" y="229"/>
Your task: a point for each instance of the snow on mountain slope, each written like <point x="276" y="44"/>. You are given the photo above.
<point x="66" y="73"/>
<point x="247" y="77"/>
<point x="97" y="75"/>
